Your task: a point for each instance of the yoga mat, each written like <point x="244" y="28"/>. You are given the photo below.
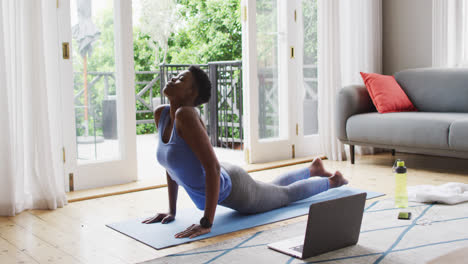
<point x="161" y="236"/>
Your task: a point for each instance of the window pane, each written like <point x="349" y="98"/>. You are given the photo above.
<point x="267" y="67"/>
<point x="94" y="80"/>
<point x="309" y="66"/>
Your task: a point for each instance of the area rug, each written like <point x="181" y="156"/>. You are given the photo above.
<point x="434" y="230"/>
<point x="227" y="220"/>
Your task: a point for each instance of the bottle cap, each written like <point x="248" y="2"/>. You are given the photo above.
<point x="400" y="163"/>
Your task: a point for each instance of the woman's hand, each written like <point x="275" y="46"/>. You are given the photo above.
<point x="163" y="218"/>
<point x="193" y="231"/>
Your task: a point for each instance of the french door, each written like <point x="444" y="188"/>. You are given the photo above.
<point x="280" y="79"/>
<point x="97" y="77"/>
<point x="307" y="140"/>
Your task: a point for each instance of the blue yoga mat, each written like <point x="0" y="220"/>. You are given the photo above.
<point x="160" y="236"/>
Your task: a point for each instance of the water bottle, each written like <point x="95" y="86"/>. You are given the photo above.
<point x="401" y="194"/>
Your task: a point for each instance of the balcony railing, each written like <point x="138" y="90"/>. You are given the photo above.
<point x="222" y="115"/>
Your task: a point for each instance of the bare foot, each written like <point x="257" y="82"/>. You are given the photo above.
<point x="337" y="180"/>
<point x="316" y="169"/>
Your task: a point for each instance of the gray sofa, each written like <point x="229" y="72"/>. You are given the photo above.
<point x="440" y="127"/>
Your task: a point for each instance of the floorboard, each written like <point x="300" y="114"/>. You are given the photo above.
<point x="77" y="232"/>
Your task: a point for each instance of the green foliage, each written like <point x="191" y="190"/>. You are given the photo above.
<point x="143" y="53"/>
<point x="267" y="62"/>
<point x="267" y="40"/>
<point x="144" y="58"/>
<point x="310" y="46"/>
<point x="309" y="13"/>
<point x="212" y="32"/>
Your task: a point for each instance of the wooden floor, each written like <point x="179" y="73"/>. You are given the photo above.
<point x="76" y="233"/>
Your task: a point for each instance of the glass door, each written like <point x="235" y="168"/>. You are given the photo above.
<point x="280" y="79"/>
<point x="98" y="95"/>
<point x="265" y="64"/>
<point x="307" y="137"/>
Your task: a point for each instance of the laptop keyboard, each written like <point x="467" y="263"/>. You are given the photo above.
<point x="298" y="248"/>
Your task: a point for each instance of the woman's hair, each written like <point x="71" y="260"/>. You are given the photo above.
<point x="202" y="83"/>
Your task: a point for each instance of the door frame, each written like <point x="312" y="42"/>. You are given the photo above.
<point x="111" y="172"/>
<point x="256" y="149"/>
<point x="291" y="143"/>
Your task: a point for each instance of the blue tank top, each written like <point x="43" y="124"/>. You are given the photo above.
<point x="184" y="167"/>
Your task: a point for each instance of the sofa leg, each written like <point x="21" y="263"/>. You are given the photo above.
<point x="351" y="151"/>
<point x="393" y="152"/>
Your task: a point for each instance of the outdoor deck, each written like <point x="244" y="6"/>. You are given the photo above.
<point x="148" y="167"/>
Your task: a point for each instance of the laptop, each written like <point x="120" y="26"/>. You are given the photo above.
<point x="331" y="225"/>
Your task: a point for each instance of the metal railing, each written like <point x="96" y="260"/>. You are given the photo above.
<point x="225" y="106"/>
<point x="222" y="115"/>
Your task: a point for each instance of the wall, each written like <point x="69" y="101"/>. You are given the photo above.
<point x="407" y="34"/>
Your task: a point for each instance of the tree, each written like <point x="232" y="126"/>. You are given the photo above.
<point x="159" y="19"/>
<point x="212" y="32"/>
<point x="207" y="30"/>
<point x="144" y="58"/>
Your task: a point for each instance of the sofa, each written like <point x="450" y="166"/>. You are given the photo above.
<point x="439" y="127"/>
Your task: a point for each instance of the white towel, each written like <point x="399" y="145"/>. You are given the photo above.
<point x="449" y="193"/>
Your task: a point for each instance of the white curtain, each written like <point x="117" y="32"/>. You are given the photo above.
<point x="31" y="173"/>
<point x="349" y="41"/>
<point x="450" y="33"/>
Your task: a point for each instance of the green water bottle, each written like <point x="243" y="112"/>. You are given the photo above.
<point x="401" y="194"/>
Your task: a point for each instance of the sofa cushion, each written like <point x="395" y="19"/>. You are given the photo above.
<point x="458" y="136"/>
<point x="436" y="90"/>
<point x="413" y="129"/>
<point x="386" y="93"/>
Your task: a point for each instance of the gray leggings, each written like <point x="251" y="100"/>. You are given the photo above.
<point x="249" y="196"/>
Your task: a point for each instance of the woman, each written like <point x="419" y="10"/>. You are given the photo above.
<point x="185" y="151"/>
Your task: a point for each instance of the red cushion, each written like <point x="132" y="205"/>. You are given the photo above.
<point x="386" y="93"/>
